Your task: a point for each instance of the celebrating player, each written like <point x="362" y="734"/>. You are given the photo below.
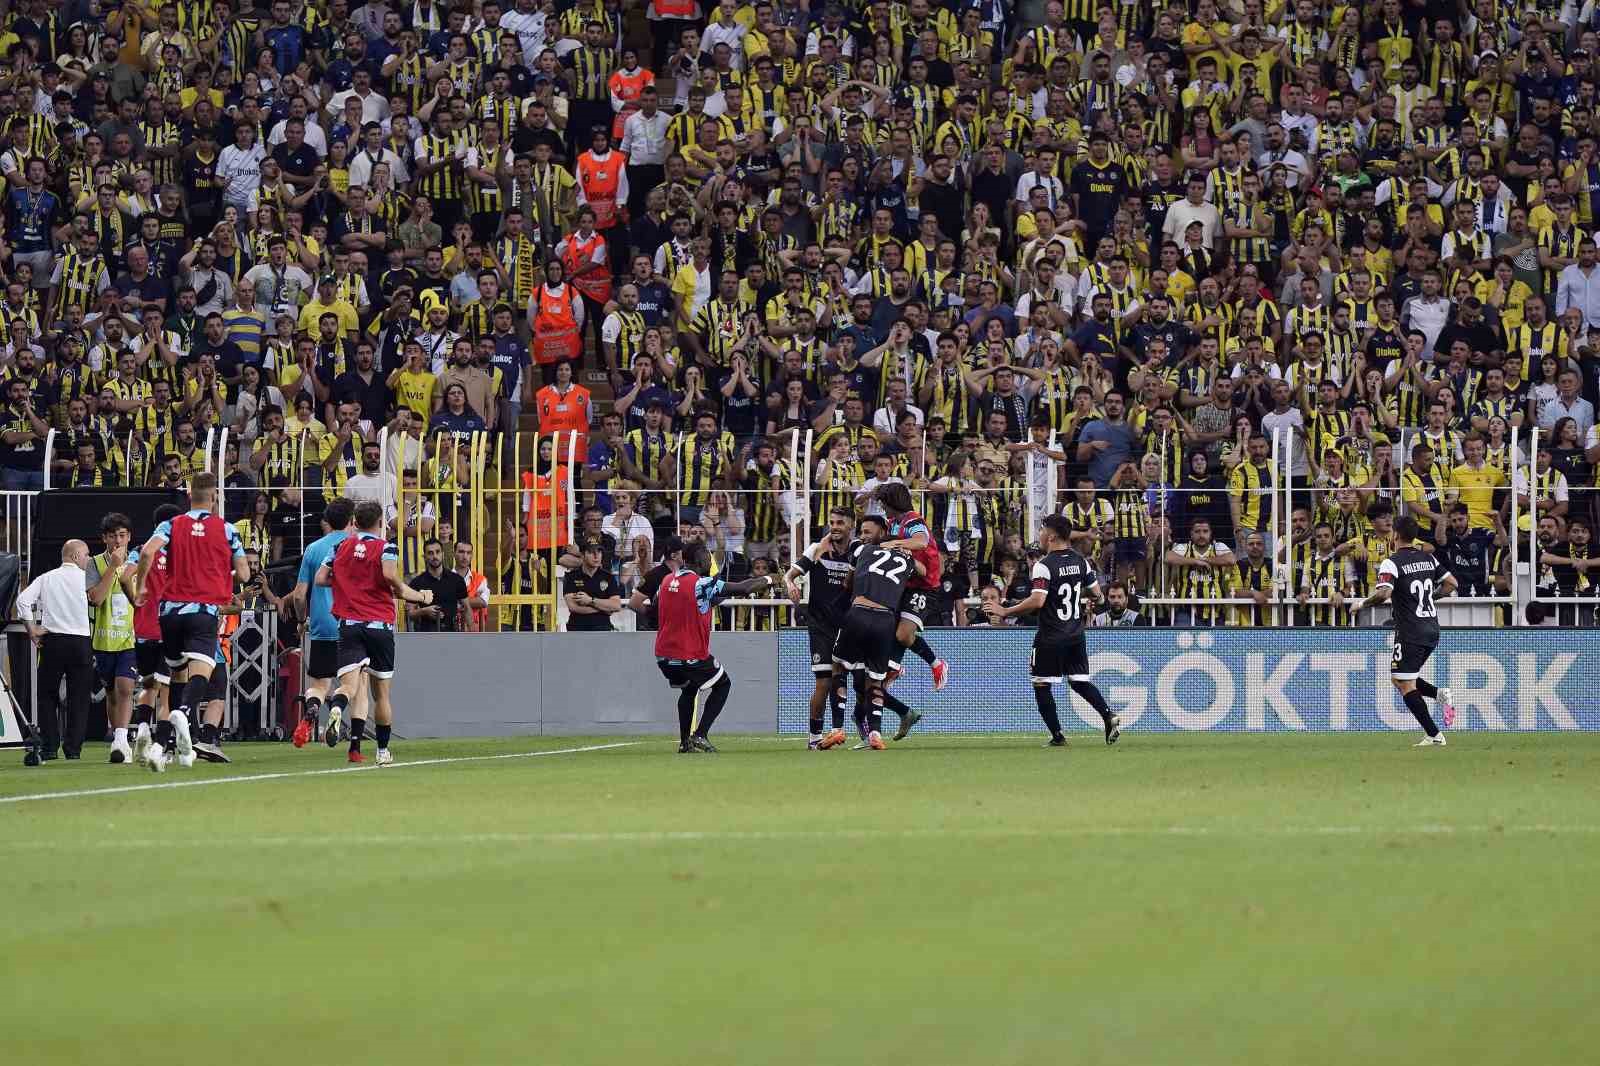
<point x="204" y="559"/>
<point x="1413" y="580"/>
<point x="322" y="629"/>
<point x="147" y="653"/>
<point x="827" y="599"/>
<point x="868" y="641"/>
<point x="683" y="602"/>
<point x="364" y="574"/>
<point x="907" y="531"/>
<point x="1065" y="589"/>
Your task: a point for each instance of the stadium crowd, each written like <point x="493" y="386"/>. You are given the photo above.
<point x="761" y="259"/>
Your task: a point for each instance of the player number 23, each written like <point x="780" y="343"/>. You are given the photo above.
<point x="1422" y="592"/>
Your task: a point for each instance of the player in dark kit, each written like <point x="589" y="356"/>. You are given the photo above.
<point x="827" y="599"/>
<point x="1065" y="590"/>
<point x="908" y="531"/>
<point x="867" y="640"/>
<point x="683" y="602"/>
<point x="365" y="576"/>
<point x="204" y="557"/>
<point x="1413" y="580"/>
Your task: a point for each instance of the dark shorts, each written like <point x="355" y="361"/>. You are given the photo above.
<point x="149" y="660"/>
<point x="918" y="607"/>
<point x="186" y="637"/>
<point x="111" y="665"/>
<point x="823" y="639"/>
<point x="1055" y="659"/>
<point x="322" y="660"/>
<point x="867" y="642"/>
<point x="366" y="648"/>
<point x="690" y="673"/>
<point x="1407" y="660"/>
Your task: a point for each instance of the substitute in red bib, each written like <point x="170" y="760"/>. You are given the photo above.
<point x="365" y="576"/>
<point x="204" y="559"/>
<point x="148" y="659"/>
<point x="683" y="602"/>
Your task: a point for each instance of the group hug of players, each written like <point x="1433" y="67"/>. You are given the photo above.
<point x="865" y="600"/>
<point x="182" y="581"/>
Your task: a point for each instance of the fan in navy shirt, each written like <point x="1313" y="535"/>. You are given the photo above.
<point x="455" y="416"/>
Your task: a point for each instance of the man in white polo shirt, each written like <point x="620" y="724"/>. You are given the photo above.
<point x="55" y="608"/>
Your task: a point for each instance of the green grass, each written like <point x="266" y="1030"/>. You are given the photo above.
<point x="1179" y="899"/>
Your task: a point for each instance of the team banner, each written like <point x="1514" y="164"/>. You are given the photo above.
<point x="1238" y="680"/>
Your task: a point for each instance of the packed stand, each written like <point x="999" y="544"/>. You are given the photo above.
<point x="1141" y="265"/>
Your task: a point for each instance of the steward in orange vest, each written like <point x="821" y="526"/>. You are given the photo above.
<point x="545" y="526"/>
<point x="564" y="410"/>
<point x="626" y="86"/>
<point x="555" y="314"/>
<point x="584" y="256"/>
<point x="602" y="181"/>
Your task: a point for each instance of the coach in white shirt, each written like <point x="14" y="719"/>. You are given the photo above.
<point x="55" y="608"/>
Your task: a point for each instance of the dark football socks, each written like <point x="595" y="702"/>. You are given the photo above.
<point x="893" y="704"/>
<point x="143" y="714"/>
<point x="382" y="734"/>
<point x="685" y="713"/>
<point x="1090" y="694"/>
<point x="313" y="709"/>
<point x="921" y="650"/>
<point x="714" y="704"/>
<point x="1418" y="706"/>
<point x="195" y="691"/>
<point x="1427" y="689"/>
<point x="358" y="730"/>
<point x="1047" y="708"/>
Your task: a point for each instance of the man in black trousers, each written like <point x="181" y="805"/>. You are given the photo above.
<point x="55" y="608"/>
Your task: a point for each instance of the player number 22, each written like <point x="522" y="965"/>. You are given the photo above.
<point x="1422" y="592"/>
<point x="896" y="565"/>
<point x="1071" y="597"/>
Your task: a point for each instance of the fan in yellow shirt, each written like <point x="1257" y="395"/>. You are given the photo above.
<point x="328" y="301"/>
<point x="415" y="387"/>
<point x="1475" y="482"/>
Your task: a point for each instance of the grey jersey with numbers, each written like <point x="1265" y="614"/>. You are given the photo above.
<point x="881" y="574"/>
<point x="1415" y="577"/>
<point x="1066" y="578"/>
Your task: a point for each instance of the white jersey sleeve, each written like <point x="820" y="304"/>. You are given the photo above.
<point x="1388" y="573"/>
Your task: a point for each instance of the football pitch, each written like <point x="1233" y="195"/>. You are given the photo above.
<point x="1195" y="899"/>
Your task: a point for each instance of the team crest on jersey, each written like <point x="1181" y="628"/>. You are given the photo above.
<point x="197" y="530"/>
<point x="360" y="551"/>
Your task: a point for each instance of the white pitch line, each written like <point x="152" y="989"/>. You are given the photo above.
<point x="205" y="781"/>
<point x="759" y="836"/>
